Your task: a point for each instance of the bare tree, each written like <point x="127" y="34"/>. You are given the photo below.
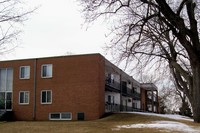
<point x="156" y="33"/>
<point x="170" y="101"/>
<point x="12" y="14"/>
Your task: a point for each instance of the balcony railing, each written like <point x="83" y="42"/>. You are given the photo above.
<point x="126" y="108"/>
<point x="136" y="95"/>
<point x="126" y="91"/>
<point x="150" y="101"/>
<point x="113" y="85"/>
<point x="137" y="109"/>
<point x="109" y="107"/>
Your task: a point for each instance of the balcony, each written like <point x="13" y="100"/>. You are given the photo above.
<point x="136" y="95"/>
<point x="137" y="109"/>
<point x="109" y="107"/>
<point x="126" y="91"/>
<point x="112" y="85"/>
<point x="126" y="108"/>
<point x="149" y="100"/>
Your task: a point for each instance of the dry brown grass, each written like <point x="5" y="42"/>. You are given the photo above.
<point x="104" y="125"/>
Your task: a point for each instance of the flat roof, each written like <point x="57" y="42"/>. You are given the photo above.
<point x="46" y="57"/>
<point x="149" y="86"/>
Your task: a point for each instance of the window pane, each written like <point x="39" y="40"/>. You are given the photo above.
<point x="9" y="96"/>
<point x="8" y="105"/>
<point x="44" y="97"/>
<point x="21" y="100"/>
<point x="22" y="72"/>
<point x="2" y="79"/>
<point x="26" y="97"/>
<point x="109" y="99"/>
<point x="44" y="71"/>
<point x="2" y="100"/>
<point x="55" y="116"/>
<point x="27" y="72"/>
<point x="9" y="82"/>
<point x="49" y="71"/>
<point x="66" y="115"/>
<point x="48" y="96"/>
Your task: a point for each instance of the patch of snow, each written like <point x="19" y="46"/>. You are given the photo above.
<point x="170" y="116"/>
<point x="167" y="125"/>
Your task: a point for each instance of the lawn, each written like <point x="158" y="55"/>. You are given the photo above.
<point x="104" y="125"/>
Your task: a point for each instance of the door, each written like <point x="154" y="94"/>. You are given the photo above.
<point x="5" y="100"/>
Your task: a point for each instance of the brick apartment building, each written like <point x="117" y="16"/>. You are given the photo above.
<point x="79" y="87"/>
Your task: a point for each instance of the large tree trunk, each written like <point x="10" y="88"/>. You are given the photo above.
<point x="196" y="93"/>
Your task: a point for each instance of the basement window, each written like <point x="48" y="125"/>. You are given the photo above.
<point x="60" y="116"/>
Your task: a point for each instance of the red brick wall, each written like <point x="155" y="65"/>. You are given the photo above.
<point x="77" y="86"/>
<point x="143" y="99"/>
<point x="21" y="112"/>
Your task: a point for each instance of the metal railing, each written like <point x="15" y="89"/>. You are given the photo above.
<point x="126" y="108"/>
<point x="137" y="109"/>
<point x="109" y="107"/>
<point x="136" y="95"/>
<point x="113" y="84"/>
<point x="126" y="91"/>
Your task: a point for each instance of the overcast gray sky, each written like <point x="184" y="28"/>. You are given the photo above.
<point x="56" y="29"/>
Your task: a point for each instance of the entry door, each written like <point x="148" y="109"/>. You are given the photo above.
<point x="6" y="101"/>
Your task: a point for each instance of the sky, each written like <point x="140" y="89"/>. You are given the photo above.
<point x="57" y="28"/>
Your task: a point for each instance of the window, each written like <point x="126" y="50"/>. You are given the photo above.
<point x="109" y="99"/>
<point x="80" y="116"/>
<point x="46" y="71"/>
<point x="24" y="97"/>
<point x="110" y="78"/>
<point x="6" y="87"/>
<point x="46" y="97"/>
<point x="135" y="105"/>
<point x="6" y="79"/>
<point x="66" y="116"/>
<point x="60" y="116"/>
<point x="24" y="72"/>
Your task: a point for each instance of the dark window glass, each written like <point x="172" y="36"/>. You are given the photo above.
<point x="44" y="71"/>
<point x="44" y="97"/>
<point x="22" y="72"/>
<point x="55" y="116"/>
<point x="48" y="96"/>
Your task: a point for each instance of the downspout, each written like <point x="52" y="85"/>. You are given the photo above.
<point x="34" y="89"/>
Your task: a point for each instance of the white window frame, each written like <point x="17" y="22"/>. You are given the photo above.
<point x="60" y="116"/>
<point x="49" y="74"/>
<point x="26" y="75"/>
<point x="46" y="97"/>
<point x="24" y="103"/>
